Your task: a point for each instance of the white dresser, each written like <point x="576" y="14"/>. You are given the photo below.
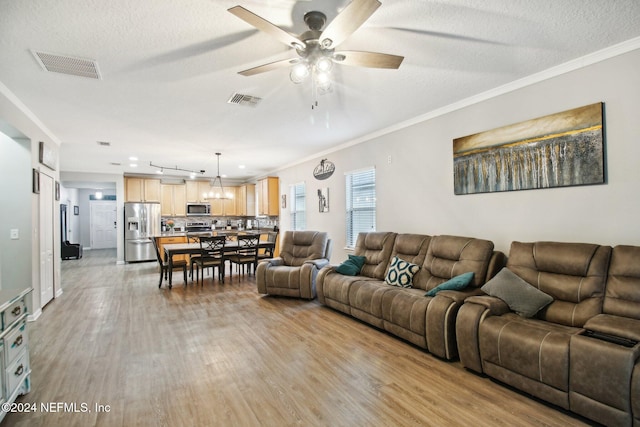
<point x="14" y="346"/>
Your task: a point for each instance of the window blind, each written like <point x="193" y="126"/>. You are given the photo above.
<point x="361" y="203"/>
<point x="298" y="207"/>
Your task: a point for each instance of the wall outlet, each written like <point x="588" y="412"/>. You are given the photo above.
<point x="14" y="234"/>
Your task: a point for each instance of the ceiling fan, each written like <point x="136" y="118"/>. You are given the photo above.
<point x="316" y="47"/>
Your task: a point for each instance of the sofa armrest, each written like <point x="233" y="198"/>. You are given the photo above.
<point x="318" y="263"/>
<point x="460" y="296"/>
<point x="623" y="327"/>
<point x="472" y="313"/>
<point x="272" y="262"/>
<point x="495" y="306"/>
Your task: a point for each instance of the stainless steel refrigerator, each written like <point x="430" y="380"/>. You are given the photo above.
<point x="142" y="223"/>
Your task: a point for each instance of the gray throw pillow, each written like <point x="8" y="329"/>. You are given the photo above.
<point x="520" y="296"/>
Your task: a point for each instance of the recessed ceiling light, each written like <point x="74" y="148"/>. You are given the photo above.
<point x="133" y="165"/>
<point x="241" y="166"/>
<point x="133" y="159"/>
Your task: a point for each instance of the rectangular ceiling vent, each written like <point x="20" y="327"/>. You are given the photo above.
<point x="67" y="65"/>
<point x="240" y="99"/>
<point x="104" y="143"/>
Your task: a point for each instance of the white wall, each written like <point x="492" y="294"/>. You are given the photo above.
<point x="415" y="192"/>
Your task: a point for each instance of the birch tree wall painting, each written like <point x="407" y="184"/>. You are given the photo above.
<point x="558" y="150"/>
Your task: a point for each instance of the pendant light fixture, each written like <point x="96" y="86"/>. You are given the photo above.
<point x="217" y="190"/>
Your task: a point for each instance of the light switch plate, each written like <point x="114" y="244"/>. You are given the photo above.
<point x="15" y="234"/>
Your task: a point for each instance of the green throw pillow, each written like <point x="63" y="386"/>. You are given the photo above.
<point x="401" y="273"/>
<point x="519" y="295"/>
<point x="352" y="266"/>
<point x="455" y="284"/>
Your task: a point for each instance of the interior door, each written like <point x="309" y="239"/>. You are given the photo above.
<point x="46" y="238"/>
<point x="103" y="224"/>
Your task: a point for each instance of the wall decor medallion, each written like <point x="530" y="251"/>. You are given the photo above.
<point x="324" y="170"/>
<point x="558" y="150"/>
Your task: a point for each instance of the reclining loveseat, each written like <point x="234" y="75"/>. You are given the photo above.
<point x="573" y="339"/>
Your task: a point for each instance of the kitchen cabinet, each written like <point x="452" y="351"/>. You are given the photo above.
<point x="268" y="194"/>
<point x="165" y="240"/>
<point x="141" y="189"/>
<point x="173" y="200"/>
<point x="246" y="203"/>
<point x="224" y="207"/>
<point x="196" y="190"/>
<point x="14" y="347"/>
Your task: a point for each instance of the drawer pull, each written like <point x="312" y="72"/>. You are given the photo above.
<point x="17" y="342"/>
<point x="16" y="311"/>
<point x="19" y="371"/>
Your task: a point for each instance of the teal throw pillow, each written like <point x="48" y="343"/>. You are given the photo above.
<point x="453" y="284"/>
<point x="401" y="273"/>
<point x="352" y="266"/>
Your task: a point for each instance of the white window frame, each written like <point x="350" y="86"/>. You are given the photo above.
<point x="360" y="186"/>
<point x="298" y="206"/>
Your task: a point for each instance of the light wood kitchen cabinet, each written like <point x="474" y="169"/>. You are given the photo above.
<point x="165" y="240"/>
<point x="268" y="194"/>
<point x="141" y="189"/>
<point x="196" y="191"/>
<point x="230" y="204"/>
<point x="173" y="200"/>
<point x="246" y="203"/>
<point x="224" y="207"/>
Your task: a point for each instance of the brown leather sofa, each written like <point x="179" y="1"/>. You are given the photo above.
<point x="293" y="273"/>
<point x="428" y="322"/>
<point x="552" y="355"/>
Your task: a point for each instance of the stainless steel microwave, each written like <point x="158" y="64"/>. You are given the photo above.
<point x="198" y="209"/>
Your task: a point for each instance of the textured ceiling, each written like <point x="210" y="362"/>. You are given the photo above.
<point x="168" y="68"/>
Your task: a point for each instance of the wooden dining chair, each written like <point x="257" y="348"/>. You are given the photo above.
<point x="211" y="256"/>
<point x="268" y="248"/>
<point x="246" y="253"/>
<point x="164" y="265"/>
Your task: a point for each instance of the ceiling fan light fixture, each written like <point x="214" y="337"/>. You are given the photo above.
<point x="322" y="80"/>
<point x="324" y="64"/>
<point x="299" y="72"/>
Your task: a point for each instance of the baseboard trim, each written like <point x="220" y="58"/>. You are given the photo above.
<point x="33" y="317"/>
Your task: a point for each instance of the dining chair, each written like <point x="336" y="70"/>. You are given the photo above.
<point x="191" y="257"/>
<point x="246" y="253"/>
<point x="267" y="248"/>
<point x="164" y="265"/>
<point x="211" y="256"/>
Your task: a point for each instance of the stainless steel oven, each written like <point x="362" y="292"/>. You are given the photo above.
<point x="198" y="209"/>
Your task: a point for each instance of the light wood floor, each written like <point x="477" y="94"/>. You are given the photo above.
<point x="222" y="355"/>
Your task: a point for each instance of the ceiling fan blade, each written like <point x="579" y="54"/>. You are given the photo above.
<point x="266" y="26"/>
<point x="368" y="59"/>
<point x="347" y="22"/>
<point x="268" y="67"/>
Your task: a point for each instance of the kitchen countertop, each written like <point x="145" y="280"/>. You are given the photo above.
<point x="218" y="230"/>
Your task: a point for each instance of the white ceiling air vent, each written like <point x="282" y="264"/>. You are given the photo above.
<point x="240" y="99"/>
<point x="68" y="65"/>
<point x="104" y="143"/>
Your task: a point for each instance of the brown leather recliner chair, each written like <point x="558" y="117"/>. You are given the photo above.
<point x="293" y="273"/>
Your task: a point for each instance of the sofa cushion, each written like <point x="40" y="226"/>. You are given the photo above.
<point x="376" y="246"/>
<point x="351" y="266"/>
<point x="622" y="297"/>
<point x="401" y="273"/>
<point x="520" y="296"/>
<point x="455" y="284"/>
<point x="574" y="274"/>
<point x="450" y="256"/>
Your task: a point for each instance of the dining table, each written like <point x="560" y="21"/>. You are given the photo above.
<point x="173" y="249"/>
